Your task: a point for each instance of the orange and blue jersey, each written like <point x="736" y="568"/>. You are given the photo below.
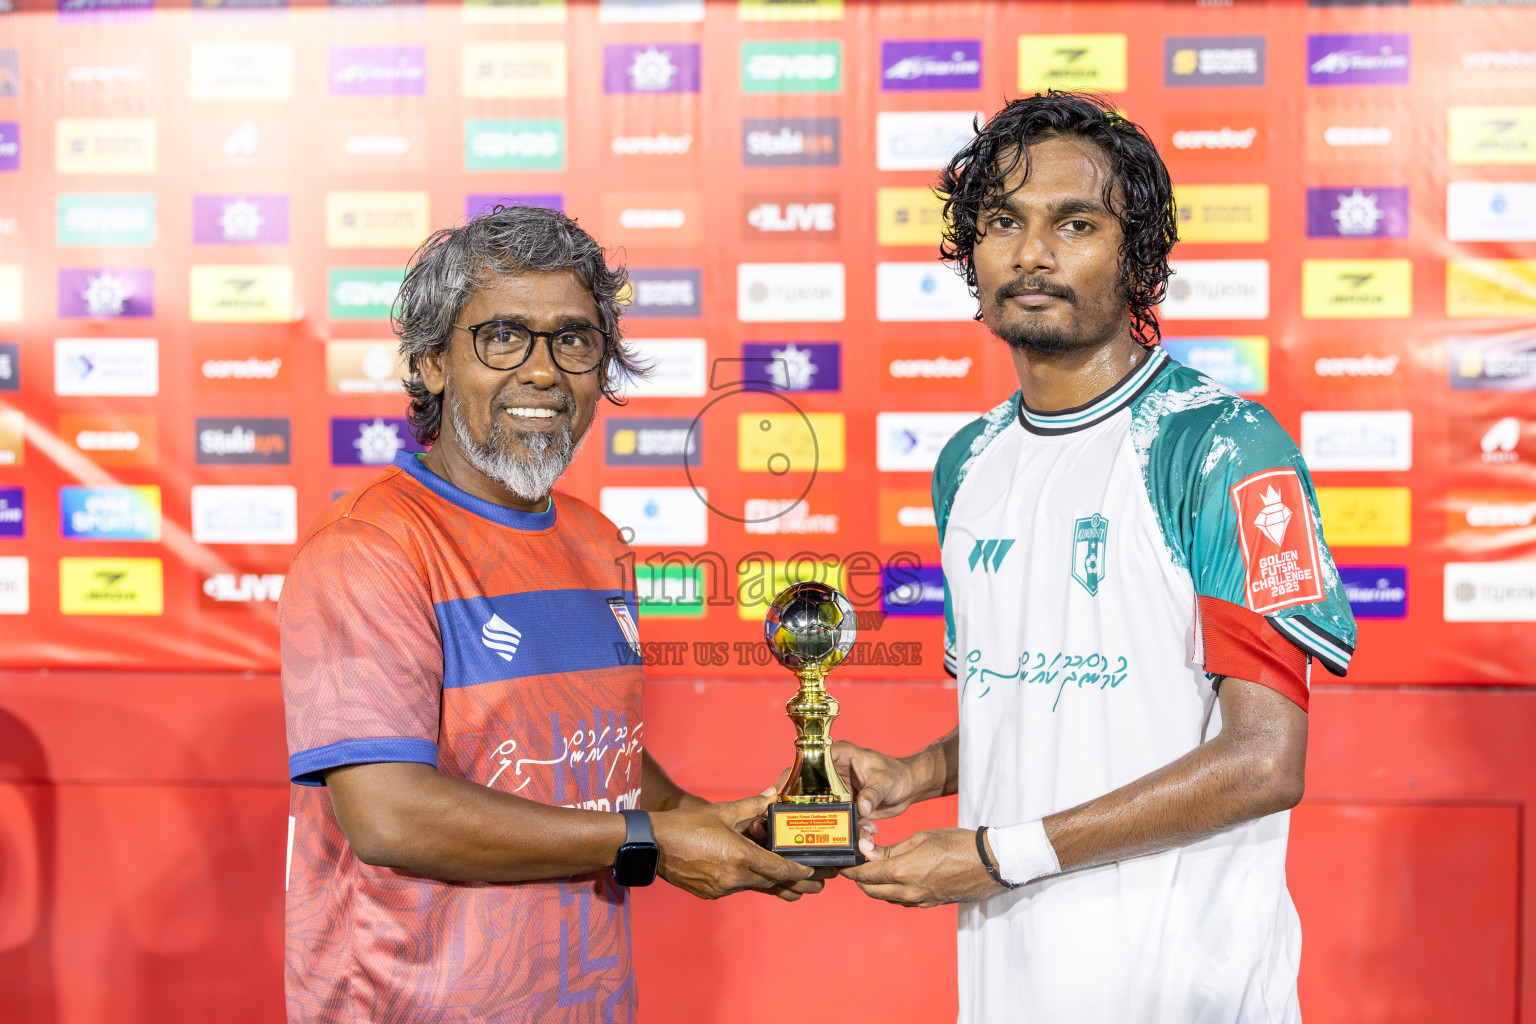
<point x="420" y="623"/>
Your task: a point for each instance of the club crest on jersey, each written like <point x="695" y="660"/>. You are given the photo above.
<point x="626" y="622"/>
<point x="1090" y="542"/>
<point x="1280" y="550"/>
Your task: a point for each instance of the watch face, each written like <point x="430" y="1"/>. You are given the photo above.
<point x="636" y="864"/>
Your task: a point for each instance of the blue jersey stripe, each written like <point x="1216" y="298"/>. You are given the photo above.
<point x="534" y="633"/>
<point x="308" y="767"/>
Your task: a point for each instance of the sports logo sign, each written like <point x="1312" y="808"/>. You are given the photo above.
<point x="1279" y="545"/>
<point x="1090" y="543"/>
<point x="1213" y="60"/>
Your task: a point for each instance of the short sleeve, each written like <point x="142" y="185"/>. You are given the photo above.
<point x="362" y="662"/>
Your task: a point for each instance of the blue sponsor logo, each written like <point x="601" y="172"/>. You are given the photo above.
<point x="370" y="440"/>
<point x="110" y="513"/>
<point x="794" y="365"/>
<point x="13" y="512"/>
<point x="912" y="591"/>
<point x="1376" y="591"/>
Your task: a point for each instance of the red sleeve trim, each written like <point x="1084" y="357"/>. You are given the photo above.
<point x="1243" y="644"/>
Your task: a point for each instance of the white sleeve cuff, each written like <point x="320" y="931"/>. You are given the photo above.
<point x="1024" y="852"/>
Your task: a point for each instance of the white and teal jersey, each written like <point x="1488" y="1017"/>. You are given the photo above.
<point x="1104" y="567"/>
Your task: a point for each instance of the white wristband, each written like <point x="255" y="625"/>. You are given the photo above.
<point x="1024" y="852"/>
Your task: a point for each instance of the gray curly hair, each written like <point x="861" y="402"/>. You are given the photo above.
<point x="454" y="262"/>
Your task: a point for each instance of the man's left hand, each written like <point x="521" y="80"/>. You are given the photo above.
<point x="931" y="869"/>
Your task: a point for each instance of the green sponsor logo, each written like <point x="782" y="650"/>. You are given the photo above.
<point x="361" y="293"/>
<point x="1090" y="536"/>
<point x="792" y="67"/>
<point x="670" y="591"/>
<point x="106" y="219"/>
<point x="514" y="144"/>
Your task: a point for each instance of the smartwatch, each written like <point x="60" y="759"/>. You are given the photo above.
<point x="636" y="863"/>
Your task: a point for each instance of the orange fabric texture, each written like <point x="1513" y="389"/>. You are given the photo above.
<point x="1243" y="644"/>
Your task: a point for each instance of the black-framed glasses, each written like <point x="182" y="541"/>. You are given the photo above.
<point x="506" y="345"/>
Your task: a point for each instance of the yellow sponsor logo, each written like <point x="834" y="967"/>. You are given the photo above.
<point x="10" y="294"/>
<point x="376" y="220"/>
<point x="759" y="581"/>
<point x="908" y="216"/>
<point x="1223" y="213"/>
<point x="104" y="145"/>
<point x="514" y="70"/>
<point x="789" y="442"/>
<point x="111" y="586"/>
<point x="1490" y="288"/>
<point x="1492" y="135"/>
<point x="790" y="10"/>
<point x="1072" y="62"/>
<point x="13" y="444"/>
<point x="260" y="294"/>
<point x="523" y="12"/>
<point x="1365" y="517"/>
<point x="1356" y="289"/>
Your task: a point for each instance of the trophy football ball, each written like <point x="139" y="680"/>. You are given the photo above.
<point x="810" y="626"/>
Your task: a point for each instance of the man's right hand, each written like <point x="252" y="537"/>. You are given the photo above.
<point x="884" y="786"/>
<point x="704" y="850"/>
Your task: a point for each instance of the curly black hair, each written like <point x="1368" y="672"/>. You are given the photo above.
<point x="975" y="182"/>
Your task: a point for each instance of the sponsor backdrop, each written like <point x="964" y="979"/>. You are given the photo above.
<point x="206" y="213"/>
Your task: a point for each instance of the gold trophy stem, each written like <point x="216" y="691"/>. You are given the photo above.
<point x="813" y="779"/>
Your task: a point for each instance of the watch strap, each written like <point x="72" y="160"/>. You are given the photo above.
<point x="637" y="828"/>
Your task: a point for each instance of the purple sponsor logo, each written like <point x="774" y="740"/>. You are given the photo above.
<point x="13" y="512"/>
<point x="911" y="65"/>
<point x="794" y="365"/>
<point x="478" y="203"/>
<point x="1375" y="59"/>
<point x="1357" y="211"/>
<point x="1376" y="591"/>
<point x="106" y="292"/>
<point x="912" y="590"/>
<point x="10" y="145"/>
<point x="70" y="10"/>
<point x="378" y="70"/>
<point x="651" y="67"/>
<point x="240" y="220"/>
<point x="370" y="440"/>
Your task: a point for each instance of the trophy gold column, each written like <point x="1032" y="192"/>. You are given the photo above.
<point x="810" y="628"/>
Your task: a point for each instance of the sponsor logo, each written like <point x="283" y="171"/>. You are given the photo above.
<point x="660" y="144"/>
<point x="104" y="10"/>
<point x="758" y="581"/>
<point x="361" y="293"/>
<point x="649" y="11"/>
<point x="1356" y="289"/>
<point x="376" y="220"/>
<point x="220" y="144"/>
<point x="654" y="218"/>
<point x="1357" y="3"/>
<point x="668" y="292"/>
<point x="240" y="220"/>
<point x="110" y="513"/>
<point x="111" y="586"/>
<point x="1280" y="549"/>
<point x="115" y="440"/>
<point x="1217" y="137"/>
<point x="1490" y="592"/>
<point x="241" y="589"/>
<point x="364" y="368"/>
<point x="777" y="67"/>
<point x="98" y="145"/>
<point x="1482" y="521"/>
<point x="251" y="294"/>
<point x="1090" y="539"/>
<point x="670" y="590"/>
<point x="514" y="70"/>
<point x="102" y="293"/>
<point x="1354" y="136"/>
<point x="1357" y="212"/>
<point x="10" y="72"/>
<point x="1213" y="60"/>
<point x="1487" y="444"/>
<point x="908" y="216"/>
<point x="13" y="450"/>
<point x="651" y="68"/>
<point x="633" y="441"/>
<point x="244" y="515"/>
<point x="105" y="220"/>
<point x="791" y="142"/>
<point x="378" y="71"/>
<point x="657" y="516"/>
<point x="1240" y="363"/>
<point x="501" y="637"/>
<point x="914" y="65"/>
<point x="1490" y="211"/>
<point x="1505" y="362"/>
<point x="13" y="586"/>
<point x="792" y="517"/>
<point x="776" y="217"/>
<point x="906" y="516"/>
<point x="525" y="12"/>
<point x="1490" y="288"/>
<point x="921" y="140"/>
<point x="789" y="292"/>
<point x="922" y="366"/>
<point x="1479" y="61"/>
<point x="1217" y="290"/>
<point x="794" y="365"/>
<point x="13" y="512"/>
<point x="514" y="144"/>
<point x="1492" y="135"/>
<point x="1376" y="591"/>
<point x="248" y="441"/>
<point x="479" y="203"/>
<point x="109" y="367"/>
<point x="233" y="367"/>
<point x="790" y="442"/>
<point x="912" y="591"/>
<point x="1367" y="517"/>
<point x="789" y="10"/>
<point x="10" y="146"/>
<point x="242" y="71"/>
<point x="910" y="442"/>
<point x="1357" y="440"/>
<point x="1223" y="213"/>
<point x="376" y="145"/>
<point x="361" y="441"/>
<point x="908" y="292"/>
<point x="1095" y="62"/>
<point x="113" y="75"/>
<point x="10" y="294"/>
<point x="10" y="366"/>
<point x="1345" y="365"/>
<point x="988" y="555"/>
<point x="1373" y="59"/>
<point x="679" y="367"/>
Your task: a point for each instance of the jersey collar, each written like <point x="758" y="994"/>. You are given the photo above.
<point x="1067" y="421"/>
<point x="468" y="502"/>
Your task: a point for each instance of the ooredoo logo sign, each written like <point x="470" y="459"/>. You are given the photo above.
<point x="912" y="367"/>
<point x="1217" y="137"/>
<point x="254" y="367"/>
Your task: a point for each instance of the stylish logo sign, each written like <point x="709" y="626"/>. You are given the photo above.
<point x="793" y="517"/>
<point x="231" y="367"/>
<point x="908" y="216"/>
<point x="1367" y="517"/>
<point x="221" y="591"/>
<point x="789" y="292"/>
<point x="1490" y="288"/>
<point x="668" y="292"/>
<point x="246" y="441"/>
<point x="1280" y="550"/>
<point x="117" y="440"/>
<point x="1358" y="211"/>
<point x="909" y="292"/>
<point x="242" y="71"/>
<point x="1095" y="62"/>
<point x="376" y="145"/>
<point x="13" y="445"/>
<point x="1357" y="440"/>
<point x="10" y="366"/>
<point x="514" y="70"/>
<point x="100" y="293"/>
<point x="111" y="586"/>
<point x="100" y="145"/>
<point x="910" y="442"/>
<point x="1090" y="543"/>
<point x="787" y="217"/>
<point x="790" y="442"/>
<point x="1217" y="290"/>
<point x="514" y="144"/>
<point x="13" y="586"/>
<point x="252" y="294"/>
<point x="654" y="218"/>
<point x="376" y="220"/>
<point x="921" y="140"/>
<point x="1376" y="591"/>
<point x="1240" y="363"/>
<point x="361" y="293"/>
<point x="1356" y="289"/>
<point x="361" y="441"/>
<point x="634" y="441"/>
<point x="115" y="367"/>
<point x="1490" y="592"/>
<point x="240" y="220"/>
<point x="378" y="71"/>
<point x="791" y="142"/>
<point x="1213" y="60"/>
<point x="1223" y="213"/>
<point x="778" y="67"/>
<point x="1490" y="211"/>
<point x="110" y="513"/>
<point x="1505" y="362"/>
<point x="111" y="220"/>
<point x="1350" y="59"/>
<point x="910" y="367"/>
<point x="679" y="367"/>
<point x="920" y="65"/>
<point x="1217" y="137"/>
<point x="794" y="365"/>
<point x="13" y="512"/>
<point x="651" y="68"/>
<point x="364" y="368"/>
<point x="244" y="515"/>
<point x="657" y="516"/>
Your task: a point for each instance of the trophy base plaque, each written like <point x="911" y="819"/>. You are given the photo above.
<point x="816" y="835"/>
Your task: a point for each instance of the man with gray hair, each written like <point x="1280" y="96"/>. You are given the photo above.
<point x="472" y="794"/>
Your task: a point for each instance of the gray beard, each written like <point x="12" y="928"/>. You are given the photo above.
<point x="531" y="478"/>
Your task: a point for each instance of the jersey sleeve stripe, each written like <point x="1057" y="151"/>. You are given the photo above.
<point x="1238" y="643"/>
<point x="308" y="767"/>
<point x="1334" y="653"/>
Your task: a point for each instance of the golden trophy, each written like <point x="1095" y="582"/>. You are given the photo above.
<point x="810" y="628"/>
